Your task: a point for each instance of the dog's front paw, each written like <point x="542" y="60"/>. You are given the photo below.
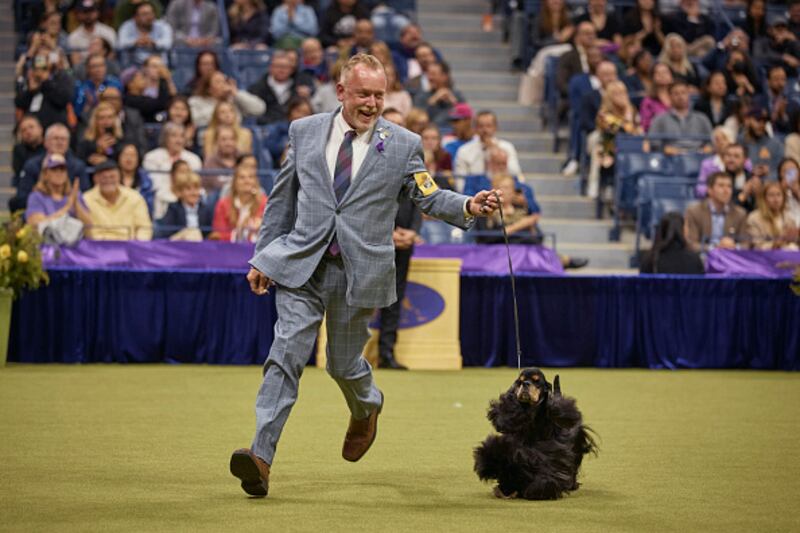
<point x="499" y="494"/>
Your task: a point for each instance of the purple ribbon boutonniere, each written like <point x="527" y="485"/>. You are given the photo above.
<point x="382" y="135"/>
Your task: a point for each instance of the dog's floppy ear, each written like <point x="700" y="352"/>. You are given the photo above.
<point x="557" y="386"/>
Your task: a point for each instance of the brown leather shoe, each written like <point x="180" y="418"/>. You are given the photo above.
<point x="360" y="435"/>
<point x="252" y="470"/>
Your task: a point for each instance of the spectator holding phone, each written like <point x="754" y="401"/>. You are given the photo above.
<point x="44" y="90"/>
<point x="150" y="89"/>
<point x="789" y="178"/>
<point x="103" y="137"/>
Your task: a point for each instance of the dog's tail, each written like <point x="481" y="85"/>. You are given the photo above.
<point x="557" y="385"/>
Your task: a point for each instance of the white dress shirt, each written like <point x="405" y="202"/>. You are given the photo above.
<point x="360" y="145"/>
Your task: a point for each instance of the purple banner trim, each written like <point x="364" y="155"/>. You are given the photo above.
<point x="492" y="258"/>
<point x="210" y="255"/>
<point x="752" y="263"/>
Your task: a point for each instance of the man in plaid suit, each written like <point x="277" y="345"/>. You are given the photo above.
<point x="326" y="242"/>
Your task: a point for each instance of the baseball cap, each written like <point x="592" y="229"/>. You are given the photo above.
<point x="779" y="21"/>
<point x="758" y="112"/>
<point x="460" y="111"/>
<point x="108" y="164"/>
<point x="54" y="161"/>
<point x="87" y="5"/>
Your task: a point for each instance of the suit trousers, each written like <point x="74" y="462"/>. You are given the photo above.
<point x="390" y="316"/>
<point x="300" y="313"/>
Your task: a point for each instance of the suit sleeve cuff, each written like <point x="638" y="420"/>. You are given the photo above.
<point x="467" y="214"/>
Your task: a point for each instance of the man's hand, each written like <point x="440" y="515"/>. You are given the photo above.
<point x="727" y="243"/>
<point x="485" y="203"/>
<point x="403" y="238"/>
<point x="259" y="283"/>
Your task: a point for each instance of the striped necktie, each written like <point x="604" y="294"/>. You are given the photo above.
<point x="344" y="166"/>
<point x="341" y="178"/>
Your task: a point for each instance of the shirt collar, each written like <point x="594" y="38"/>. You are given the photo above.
<point x="714" y="211"/>
<point x="341" y="126"/>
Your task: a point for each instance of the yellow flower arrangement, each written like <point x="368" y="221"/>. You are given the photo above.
<point x="20" y="257"/>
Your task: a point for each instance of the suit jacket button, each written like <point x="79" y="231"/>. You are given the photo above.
<point x="338" y="211"/>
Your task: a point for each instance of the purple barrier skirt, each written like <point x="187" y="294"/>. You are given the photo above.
<point x="210" y="255"/>
<point x="752" y="263"/>
<point x="492" y="258"/>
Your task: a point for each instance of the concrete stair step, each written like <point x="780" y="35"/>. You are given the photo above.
<point x="576" y="231"/>
<point x="489" y="64"/>
<point x="541" y="162"/>
<point x="468" y="22"/>
<point x="571" y="207"/>
<point x="453" y="6"/>
<point x="440" y="34"/>
<point x="473" y="49"/>
<point x="602" y="255"/>
<point x="515" y="124"/>
<point x="472" y="92"/>
<point x="471" y="76"/>
<point x="528" y="142"/>
<point x="552" y="184"/>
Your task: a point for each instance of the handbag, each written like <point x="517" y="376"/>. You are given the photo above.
<point x="64" y="230"/>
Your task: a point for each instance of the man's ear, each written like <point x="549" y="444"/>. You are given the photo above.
<point x="339" y="91"/>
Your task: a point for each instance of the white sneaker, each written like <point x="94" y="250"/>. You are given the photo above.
<point x="570" y="169"/>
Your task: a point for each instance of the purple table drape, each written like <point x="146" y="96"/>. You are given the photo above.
<point x="752" y="263"/>
<point x="209" y="255"/>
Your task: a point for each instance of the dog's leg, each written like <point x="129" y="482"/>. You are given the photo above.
<point x="498" y="493"/>
<point x="542" y="488"/>
<point x="491" y="457"/>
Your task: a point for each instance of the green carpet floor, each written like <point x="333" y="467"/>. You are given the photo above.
<point x="146" y="448"/>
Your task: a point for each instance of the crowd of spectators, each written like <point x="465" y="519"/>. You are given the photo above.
<point x="695" y="80"/>
<point x="152" y="148"/>
<point x="98" y="95"/>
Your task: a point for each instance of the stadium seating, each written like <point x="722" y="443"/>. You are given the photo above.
<point x="659" y="195"/>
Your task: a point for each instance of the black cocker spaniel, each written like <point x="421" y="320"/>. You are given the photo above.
<point x="541" y="444"/>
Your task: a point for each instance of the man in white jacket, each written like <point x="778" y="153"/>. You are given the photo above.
<point x="471" y="158"/>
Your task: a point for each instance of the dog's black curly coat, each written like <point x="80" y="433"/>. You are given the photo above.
<point x="541" y="444"/>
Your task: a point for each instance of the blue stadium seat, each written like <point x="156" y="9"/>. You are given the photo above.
<point x="629" y="166"/>
<point x="388" y="23"/>
<point x="249" y="66"/>
<point x="659" y="195"/>
<point x="629" y="143"/>
<point x="407" y="7"/>
<point x="182" y="60"/>
<point x="439" y="232"/>
<point x="266" y="178"/>
<point x="476" y="183"/>
<point x="152" y="132"/>
<point x="260" y="147"/>
<point x="687" y="164"/>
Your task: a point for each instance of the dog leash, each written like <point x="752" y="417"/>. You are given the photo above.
<point x="513" y="285"/>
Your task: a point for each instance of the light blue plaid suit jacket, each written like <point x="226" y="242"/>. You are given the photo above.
<point x="302" y="214"/>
